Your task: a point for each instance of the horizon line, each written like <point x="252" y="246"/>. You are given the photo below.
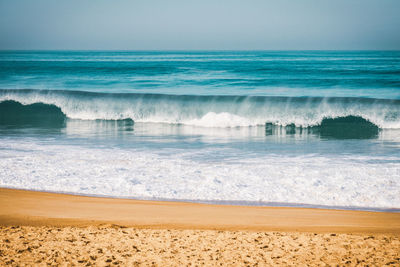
<point x="196" y="50"/>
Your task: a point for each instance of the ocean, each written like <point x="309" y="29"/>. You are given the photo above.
<point x="280" y="128"/>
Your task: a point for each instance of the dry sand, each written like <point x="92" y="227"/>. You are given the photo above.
<point x="43" y="228"/>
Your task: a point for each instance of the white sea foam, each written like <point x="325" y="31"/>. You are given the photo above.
<point x="224" y="120"/>
<point x="180" y="174"/>
<point x="211" y="111"/>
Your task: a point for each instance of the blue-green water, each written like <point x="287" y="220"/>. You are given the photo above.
<point x="291" y="128"/>
<point x="374" y="74"/>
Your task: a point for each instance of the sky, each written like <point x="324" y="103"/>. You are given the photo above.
<point x="200" y="25"/>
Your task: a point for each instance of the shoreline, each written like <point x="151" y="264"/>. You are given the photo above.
<point x="240" y="203"/>
<point x="38" y="228"/>
<point x="34" y="208"/>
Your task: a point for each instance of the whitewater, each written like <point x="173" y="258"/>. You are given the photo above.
<point x="211" y="111"/>
<point x="305" y="128"/>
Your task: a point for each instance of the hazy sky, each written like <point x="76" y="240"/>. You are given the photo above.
<point x="202" y="24"/>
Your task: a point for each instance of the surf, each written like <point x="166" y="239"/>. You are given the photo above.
<point x="202" y="111"/>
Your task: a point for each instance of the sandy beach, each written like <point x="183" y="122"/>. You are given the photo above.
<point x="199" y="133"/>
<point x="46" y="228"/>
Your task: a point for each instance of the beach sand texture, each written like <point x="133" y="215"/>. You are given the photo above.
<point x="56" y="229"/>
<point x="110" y="245"/>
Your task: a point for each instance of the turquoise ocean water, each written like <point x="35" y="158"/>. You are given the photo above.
<point x="291" y="128"/>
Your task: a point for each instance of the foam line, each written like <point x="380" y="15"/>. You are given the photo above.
<point x="211" y="111"/>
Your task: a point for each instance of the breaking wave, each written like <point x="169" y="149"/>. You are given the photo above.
<point x="45" y="106"/>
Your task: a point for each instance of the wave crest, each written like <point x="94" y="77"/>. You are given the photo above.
<point x="207" y="111"/>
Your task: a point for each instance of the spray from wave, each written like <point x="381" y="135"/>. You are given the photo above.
<point x="203" y="111"/>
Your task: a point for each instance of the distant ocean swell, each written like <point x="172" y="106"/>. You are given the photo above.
<point x="205" y="111"/>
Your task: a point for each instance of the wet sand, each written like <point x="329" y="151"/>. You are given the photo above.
<point x="46" y="228"/>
